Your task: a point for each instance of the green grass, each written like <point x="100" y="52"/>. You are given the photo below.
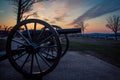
<point x="108" y="48"/>
<point x="2" y="44"/>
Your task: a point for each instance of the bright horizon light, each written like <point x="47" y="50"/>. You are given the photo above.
<point x="61" y="13"/>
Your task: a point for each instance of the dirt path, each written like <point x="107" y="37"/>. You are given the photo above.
<point x="73" y="66"/>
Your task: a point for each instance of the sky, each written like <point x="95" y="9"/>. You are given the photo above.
<point x="66" y="12"/>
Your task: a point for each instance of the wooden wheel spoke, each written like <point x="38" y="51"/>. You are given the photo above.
<point x="32" y="60"/>
<point x="28" y="32"/>
<point x="51" y="55"/>
<point x="34" y="32"/>
<point x="46" y="39"/>
<point x="20" y="56"/>
<point x="41" y="33"/>
<point x="46" y="47"/>
<point x="38" y="63"/>
<point x="24" y="37"/>
<point x="25" y="61"/>
<point x="18" y="41"/>
<point x="17" y="51"/>
<point x="47" y="63"/>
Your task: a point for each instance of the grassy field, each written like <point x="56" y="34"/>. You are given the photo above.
<point x="2" y="44"/>
<point x="109" y="48"/>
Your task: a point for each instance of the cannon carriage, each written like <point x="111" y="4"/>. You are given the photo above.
<point x="34" y="47"/>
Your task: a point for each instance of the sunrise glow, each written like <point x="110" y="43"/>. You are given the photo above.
<point x="64" y="12"/>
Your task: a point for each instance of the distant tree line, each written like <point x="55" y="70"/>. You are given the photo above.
<point x="4" y="30"/>
<point x="113" y="23"/>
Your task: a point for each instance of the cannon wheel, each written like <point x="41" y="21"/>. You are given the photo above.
<point x="63" y="39"/>
<point x="26" y="50"/>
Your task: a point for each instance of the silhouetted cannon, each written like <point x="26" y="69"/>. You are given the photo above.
<point x="61" y="31"/>
<point x="34" y="47"/>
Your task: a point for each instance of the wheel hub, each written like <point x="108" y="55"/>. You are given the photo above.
<point x="31" y="49"/>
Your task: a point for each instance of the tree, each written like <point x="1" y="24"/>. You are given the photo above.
<point x="82" y="25"/>
<point x="23" y="6"/>
<point x="10" y="28"/>
<point x="6" y="28"/>
<point x="33" y="14"/>
<point x="113" y="23"/>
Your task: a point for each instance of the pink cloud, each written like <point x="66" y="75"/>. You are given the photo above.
<point x="38" y="6"/>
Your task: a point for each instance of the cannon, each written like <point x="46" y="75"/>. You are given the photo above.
<point x="34" y="48"/>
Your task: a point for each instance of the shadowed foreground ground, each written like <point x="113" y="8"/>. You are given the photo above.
<point x="73" y="66"/>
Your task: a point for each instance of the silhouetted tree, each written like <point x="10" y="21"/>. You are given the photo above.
<point x="82" y="25"/>
<point x="33" y="14"/>
<point x="23" y="6"/>
<point x="10" y="28"/>
<point x="5" y="28"/>
<point x="114" y="24"/>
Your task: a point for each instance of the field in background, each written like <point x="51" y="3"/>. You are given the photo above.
<point x="108" y="48"/>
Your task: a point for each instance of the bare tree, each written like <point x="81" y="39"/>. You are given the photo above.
<point x="82" y="25"/>
<point x="23" y="6"/>
<point x="33" y="14"/>
<point x="114" y="24"/>
<point x="6" y="28"/>
<point x="10" y="28"/>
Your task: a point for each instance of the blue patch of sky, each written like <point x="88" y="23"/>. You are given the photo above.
<point x="7" y="12"/>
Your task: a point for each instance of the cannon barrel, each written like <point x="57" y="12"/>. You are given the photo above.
<point x="60" y="31"/>
<point x="69" y="31"/>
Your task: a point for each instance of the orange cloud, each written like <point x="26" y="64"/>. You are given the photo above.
<point x="38" y="6"/>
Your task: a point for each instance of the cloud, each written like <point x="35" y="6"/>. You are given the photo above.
<point x="38" y="6"/>
<point x="73" y="4"/>
<point x="46" y="19"/>
<point x="100" y="9"/>
<point x="63" y="7"/>
<point x="60" y="10"/>
<point x="57" y="8"/>
<point x="60" y="15"/>
<point x="52" y="22"/>
<point x="1" y="11"/>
